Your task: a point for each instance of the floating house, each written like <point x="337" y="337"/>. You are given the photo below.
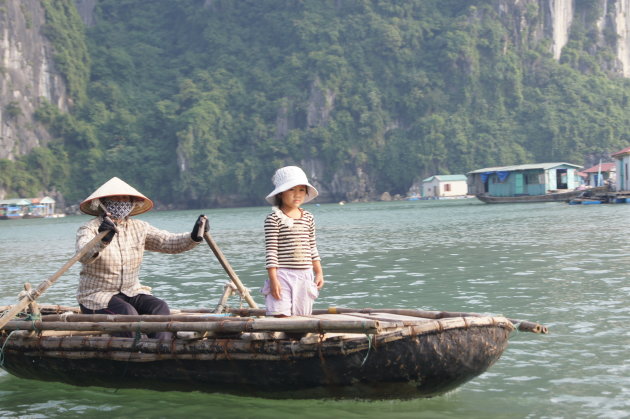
<point x="41" y="207"/>
<point x="600" y="174"/>
<point x="16" y="208"/>
<point x="622" y="162"/>
<point x="524" y="180"/>
<point x="444" y="186"/>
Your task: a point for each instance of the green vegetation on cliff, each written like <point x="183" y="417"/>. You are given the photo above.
<point x="197" y="102"/>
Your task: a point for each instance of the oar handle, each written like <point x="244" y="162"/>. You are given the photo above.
<point x="33" y="295"/>
<point x="226" y="265"/>
<point x="107" y="215"/>
<point x="202" y="227"/>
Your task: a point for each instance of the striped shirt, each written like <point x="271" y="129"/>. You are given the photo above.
<point x="113" y="268"/>
<point x="290" y="243"/>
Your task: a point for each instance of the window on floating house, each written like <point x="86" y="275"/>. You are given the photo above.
<point x="534" y="179"/>
<point x="447" y="187"/>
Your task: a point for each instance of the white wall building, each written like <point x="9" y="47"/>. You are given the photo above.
<point x="444" y="186"/>
<point x="622" y="161"/>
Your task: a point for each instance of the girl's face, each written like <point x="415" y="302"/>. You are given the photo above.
<point x="294" y="197"/>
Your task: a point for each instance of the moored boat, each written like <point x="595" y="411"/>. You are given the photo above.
<point x="368" y="353"/>
<point x="550" y="197"/>
<point x="564" y="196"/>
<point x="10" y="213"/>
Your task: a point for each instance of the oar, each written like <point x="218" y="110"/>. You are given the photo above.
<point x="33" y="295"/>
<point x="226" y="265"/>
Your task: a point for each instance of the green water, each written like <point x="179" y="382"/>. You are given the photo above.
<point x="564" y="266"/>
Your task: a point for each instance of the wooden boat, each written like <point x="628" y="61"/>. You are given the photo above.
<point x="368" y="353"/>
<point x="564" y="196"/>
<point x="585" y="201"/>
<point x="10" y="213"/>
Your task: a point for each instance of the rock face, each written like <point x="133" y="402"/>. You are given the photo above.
<point x="28" y="76"/>
<point x="550" y="21"/>
<point x="348" y="183"/>
<point x="86" y="10"/>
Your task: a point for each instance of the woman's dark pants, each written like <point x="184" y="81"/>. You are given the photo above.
<point x="140" y="304"/>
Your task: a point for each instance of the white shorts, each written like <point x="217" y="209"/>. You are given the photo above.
<point x="297" y="292"/>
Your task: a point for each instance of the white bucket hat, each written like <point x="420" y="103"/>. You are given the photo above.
<point x="116" y="187"/>
<point x="288" y="177"/>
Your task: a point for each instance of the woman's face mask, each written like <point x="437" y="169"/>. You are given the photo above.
<point x="119" y="209"/>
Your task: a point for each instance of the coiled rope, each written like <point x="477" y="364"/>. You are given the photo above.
<point x="3" y="346"/>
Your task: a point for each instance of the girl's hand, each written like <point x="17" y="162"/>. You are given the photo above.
<point x="275" y="288"/>
<point x="319" y="280"/>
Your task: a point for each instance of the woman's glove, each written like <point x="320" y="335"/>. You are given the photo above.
<point x="108" y="225"/>
<point x="196" y="235"/>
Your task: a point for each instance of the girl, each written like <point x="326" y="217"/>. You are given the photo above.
<point x="292" y="260"/>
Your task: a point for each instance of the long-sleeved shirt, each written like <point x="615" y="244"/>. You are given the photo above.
<point x="290" y="243"/>
<point x="113" y="268"/>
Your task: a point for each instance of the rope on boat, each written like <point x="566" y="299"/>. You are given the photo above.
<point x="28" y="294"/>
<point x="369" y="348"/>
<point x="242" y="297"/>
<point x="137" y="336"/>
<point x="33" y="318"/>
<point x="2" y="349"/>
<point x="4" y="313"/>
<point x="64" y="316"/>
<point x="367" y="335"/>
<point x="136" y="340"/>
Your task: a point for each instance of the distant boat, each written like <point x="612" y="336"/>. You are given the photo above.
<point x="36" y="211"/>
<point x="564" y="196"/>
<point x="585" y="201"/>
<point x="16" y="208"/>
<point x="10" y="213"/>
<point x="59" y="215"/>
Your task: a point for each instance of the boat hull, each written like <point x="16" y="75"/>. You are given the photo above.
<point x="551" y="197"/>
<point x="415" y="361"/>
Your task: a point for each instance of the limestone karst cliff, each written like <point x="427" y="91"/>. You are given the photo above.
<point x="28" y="75"/>
<point x="332" y="103"/>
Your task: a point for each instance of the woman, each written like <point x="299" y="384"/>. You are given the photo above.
<point x="109" y="282"/>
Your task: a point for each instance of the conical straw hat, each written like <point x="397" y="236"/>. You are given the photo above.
<point x="116" y="187"/>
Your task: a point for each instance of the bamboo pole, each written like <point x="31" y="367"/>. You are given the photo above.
<point x="236" y="326"/>
<point x="48" y="308"/>
<point x="33" y="295"/>
<point x="521" y="325"/>
<point x="126" y="318"/>
<point x="32" y="306"/>
<point x="228" y="290"/>
<point x="103" y="347"/>
<point x="226" y="265"/>
<point x="198" y="315"/>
